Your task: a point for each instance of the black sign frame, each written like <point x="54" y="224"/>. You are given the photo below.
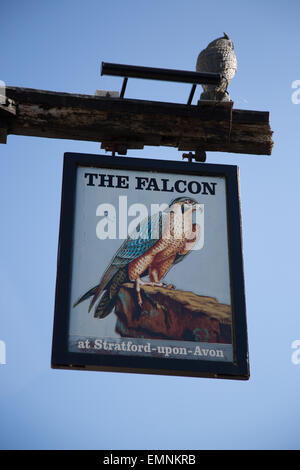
<point x="62" y="358"/>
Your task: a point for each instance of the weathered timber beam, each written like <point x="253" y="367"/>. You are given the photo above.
<point x="7" y="107"/>
<point x="7" y="112"/>
<point x="211" y="125"/>
<point x="3" y="135"/>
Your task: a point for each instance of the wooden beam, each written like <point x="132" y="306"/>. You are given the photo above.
<point x="3" y="136"/>
<point x="8" y="110"/>
<point x="7" y="107"/>
<point x="127" y="123"/>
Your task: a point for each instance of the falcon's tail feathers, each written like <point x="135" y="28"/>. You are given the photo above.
<point x="104" y="283"/>
<point x="107" y="290"/>
<point x="85" y="296"/>
<point x="104" y="306"/>
<point x="111" y="288"/>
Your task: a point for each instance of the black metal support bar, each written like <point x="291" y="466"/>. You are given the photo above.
<point x="123" y="87"/>
<point x="192" y="94"/>
<point x="151" y="73"/>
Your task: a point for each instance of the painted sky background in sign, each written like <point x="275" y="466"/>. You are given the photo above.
<point x="59" y="46"/>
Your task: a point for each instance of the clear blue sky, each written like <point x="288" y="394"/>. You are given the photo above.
<point x="59" y="45"/>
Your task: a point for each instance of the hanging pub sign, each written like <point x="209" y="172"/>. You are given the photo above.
<point x="150" y="269"/>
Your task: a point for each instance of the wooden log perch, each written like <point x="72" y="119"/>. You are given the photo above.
<point x="128" y="123"/>
<point x="172" y="314"/>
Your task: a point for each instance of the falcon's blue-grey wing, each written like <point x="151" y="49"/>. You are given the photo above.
<point x="146" y="234"/>
<point x="137" y="243"/>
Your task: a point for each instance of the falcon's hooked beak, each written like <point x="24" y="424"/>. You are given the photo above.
<point x="189" y="202"/>
<point x="184" y="205"/>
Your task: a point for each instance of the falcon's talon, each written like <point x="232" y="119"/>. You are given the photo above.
<point x="167" y="286"/>
<point x="155" y="284"/>
<point x="139" y="282"/>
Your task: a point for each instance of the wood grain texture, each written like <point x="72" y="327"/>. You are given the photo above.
<point x="210" y="125"/>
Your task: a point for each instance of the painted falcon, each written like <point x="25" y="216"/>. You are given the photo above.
<point x="159" y="242"/>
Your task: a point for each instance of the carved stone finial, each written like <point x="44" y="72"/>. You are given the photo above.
<point x="218" y="57"/>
